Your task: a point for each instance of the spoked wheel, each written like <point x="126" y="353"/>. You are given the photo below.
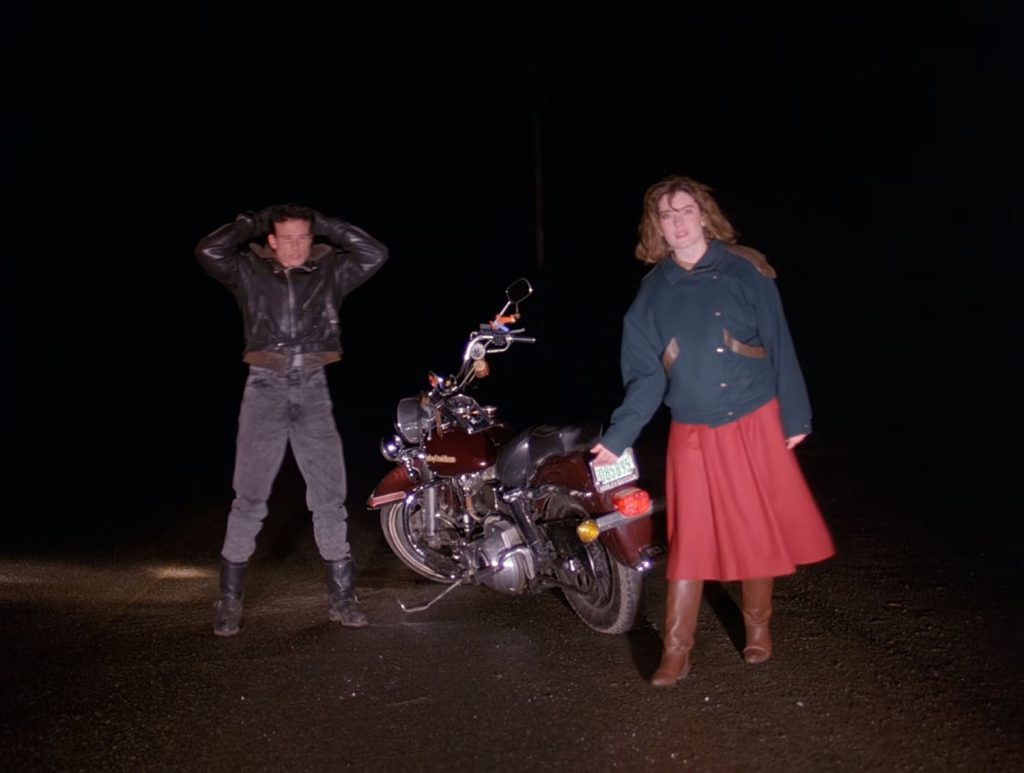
<point x="608" y="595"/>
<point x="404" y="530"/>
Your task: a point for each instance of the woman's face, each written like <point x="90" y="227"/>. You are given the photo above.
<point x="680" y="220"/>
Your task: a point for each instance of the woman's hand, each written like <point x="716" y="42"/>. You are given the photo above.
<point x="793" y="442"/>
<point x="603" y="455"/>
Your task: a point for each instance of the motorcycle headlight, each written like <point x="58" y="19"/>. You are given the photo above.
<point x="409" y="419"/>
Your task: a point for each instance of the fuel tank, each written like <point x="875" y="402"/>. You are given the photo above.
<point x="456" y="451"/>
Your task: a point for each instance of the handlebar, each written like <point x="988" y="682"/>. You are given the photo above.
<point x="481" y="343"/>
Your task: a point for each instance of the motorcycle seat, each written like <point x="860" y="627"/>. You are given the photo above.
<point x="532" y="447"/>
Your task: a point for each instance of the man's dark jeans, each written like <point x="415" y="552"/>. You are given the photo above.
<point x="278" y="409"/>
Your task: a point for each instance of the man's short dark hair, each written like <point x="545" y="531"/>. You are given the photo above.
<point x="281" y="212"/>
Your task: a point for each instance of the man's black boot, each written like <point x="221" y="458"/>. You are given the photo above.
<point x="342" y="605"/>
<point x="228" y="608"/>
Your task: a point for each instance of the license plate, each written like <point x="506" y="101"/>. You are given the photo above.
<point x="622" y="470"/>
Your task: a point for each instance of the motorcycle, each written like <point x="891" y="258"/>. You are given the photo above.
<point x="470" y="501"/>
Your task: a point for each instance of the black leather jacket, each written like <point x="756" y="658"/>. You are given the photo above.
<point x="291" y="311"/>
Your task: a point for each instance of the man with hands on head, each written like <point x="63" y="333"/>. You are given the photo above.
<point x="289" y="291"/>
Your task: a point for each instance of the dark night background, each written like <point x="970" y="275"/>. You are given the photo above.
<point x="875" y="160"/>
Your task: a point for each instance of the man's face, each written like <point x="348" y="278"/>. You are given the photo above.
<point x="680" y="221"/>
<point x="291" y="242"/>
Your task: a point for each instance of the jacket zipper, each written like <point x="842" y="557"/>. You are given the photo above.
<point x="291" y="306"/>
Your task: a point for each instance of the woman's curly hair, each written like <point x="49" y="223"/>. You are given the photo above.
<point x="652" y="246"/>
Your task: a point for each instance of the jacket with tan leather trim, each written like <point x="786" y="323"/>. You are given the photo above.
<point x="291" y="310"/>
<point x="712" y="343"/>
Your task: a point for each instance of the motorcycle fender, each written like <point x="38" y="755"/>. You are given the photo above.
<point x="392" y="488"/>
<point x="572" y="472"/>
<point x="633" y="543"/>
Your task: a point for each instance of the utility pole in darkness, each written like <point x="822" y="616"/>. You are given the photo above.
<point x="538" y="186"/>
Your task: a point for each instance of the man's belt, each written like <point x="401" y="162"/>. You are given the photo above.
<point x="280" y="362"/>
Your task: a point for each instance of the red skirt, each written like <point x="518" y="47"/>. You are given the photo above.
<point x="738" y="506"/>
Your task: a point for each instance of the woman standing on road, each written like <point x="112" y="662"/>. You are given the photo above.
<point x="706" y="334"/>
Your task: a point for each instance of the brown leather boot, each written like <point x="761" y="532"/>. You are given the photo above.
<point x="681" y="607"/>
<point x="757" y="609"/>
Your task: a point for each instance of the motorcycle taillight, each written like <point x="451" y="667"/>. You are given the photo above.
<point x="631" y="501"/>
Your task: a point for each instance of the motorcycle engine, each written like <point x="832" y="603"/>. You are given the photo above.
<point x="500" y="558"/>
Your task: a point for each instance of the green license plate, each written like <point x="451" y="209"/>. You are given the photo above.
<point x="622" y="470"/>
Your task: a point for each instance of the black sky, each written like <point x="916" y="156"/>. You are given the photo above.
<point x="876" y="160"/>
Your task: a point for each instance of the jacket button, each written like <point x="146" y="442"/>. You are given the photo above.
<point x="718" y="313"/>
<point x="719" y="349"/>
<point x="723" y="385"/>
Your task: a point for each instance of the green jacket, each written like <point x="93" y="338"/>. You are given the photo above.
<point x="712" y="343"/>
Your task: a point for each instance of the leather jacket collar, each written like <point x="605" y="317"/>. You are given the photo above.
<point x="317" y="253"/>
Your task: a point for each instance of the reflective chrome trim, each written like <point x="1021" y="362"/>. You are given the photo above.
<point x="614" y="519"/>
<point x="391" y="448"/>
<point x="644" y="566"/>
<point x="509" y="552"/>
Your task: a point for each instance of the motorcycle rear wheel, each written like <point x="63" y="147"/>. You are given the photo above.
<point x="609" y="595"/>
<point x="402" y="529"/>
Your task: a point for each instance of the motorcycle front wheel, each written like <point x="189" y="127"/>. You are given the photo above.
<point x="404" y="530"/>
<point x="608" y="596"/>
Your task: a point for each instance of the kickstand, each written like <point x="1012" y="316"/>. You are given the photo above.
<point x="436" y="598"/>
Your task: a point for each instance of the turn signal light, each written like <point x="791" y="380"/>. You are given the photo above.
<point x="588" y="531"/>
<point x="631" y="501"/>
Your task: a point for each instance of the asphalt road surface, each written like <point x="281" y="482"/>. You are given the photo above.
<point x="901" y="653"/>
